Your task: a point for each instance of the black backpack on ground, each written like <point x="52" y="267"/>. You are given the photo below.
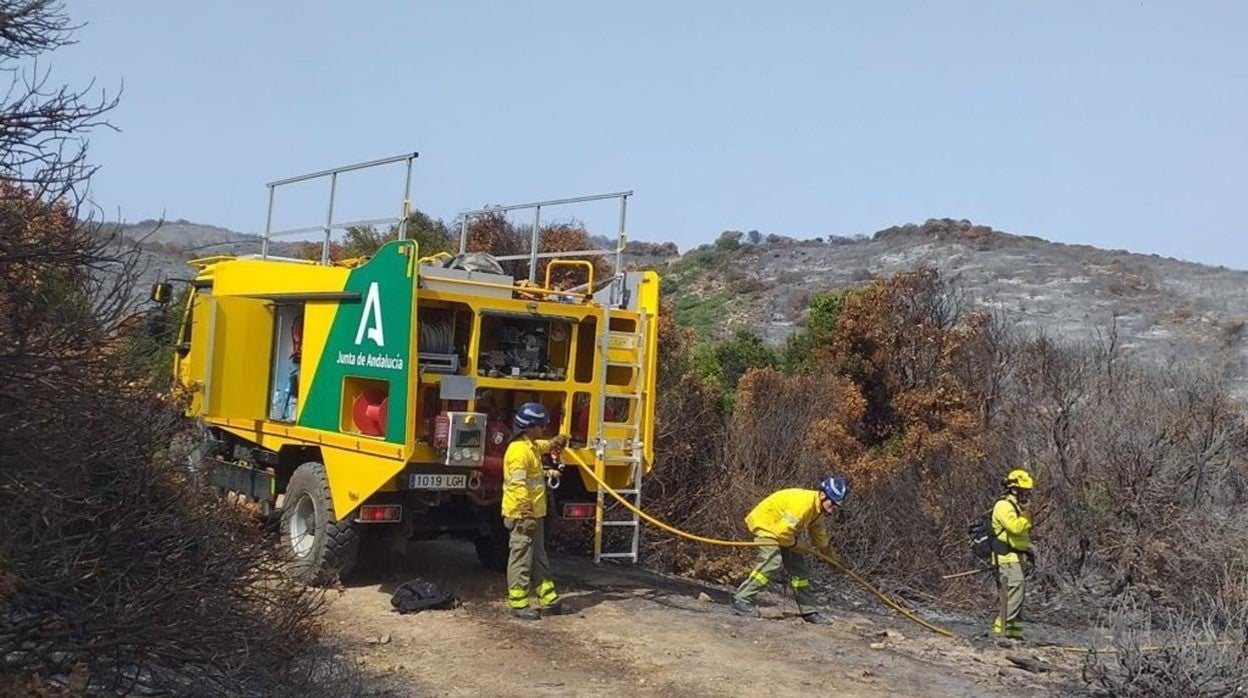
<point x="418" y="595"/>
<point x="984" y="542"/>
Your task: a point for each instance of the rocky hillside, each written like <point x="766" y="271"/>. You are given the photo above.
<point x="167" y="245"/>
<point x="1165" y="309"/>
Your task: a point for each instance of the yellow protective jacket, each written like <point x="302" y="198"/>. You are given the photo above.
<point x="1011" y="526"/>
<point x="524" y="487"/>
<point x="782" y="515"/>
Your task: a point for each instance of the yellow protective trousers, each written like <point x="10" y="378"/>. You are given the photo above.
<point x="527" y="561"/>
<point x="771" y="558"/>
<point x="1013" y="588"/>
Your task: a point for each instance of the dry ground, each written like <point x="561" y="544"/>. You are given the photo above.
<point x="644" y="634"/>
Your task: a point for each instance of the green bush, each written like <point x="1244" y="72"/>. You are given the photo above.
<point x="701" y="313"/>
<point x="824" y="310"/>
<point x="726" y="361"/>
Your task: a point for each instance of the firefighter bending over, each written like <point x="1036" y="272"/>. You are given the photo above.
<point x="1012" y="529"/>
<point x="524" y="512"/>
<point x="777" y="521"/>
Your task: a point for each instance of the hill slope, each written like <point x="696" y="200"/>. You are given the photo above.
<point x="1164" y="309"/>
<point x="167" y="245"/>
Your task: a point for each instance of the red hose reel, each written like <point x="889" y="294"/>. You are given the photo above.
<point x="369" y="411"/>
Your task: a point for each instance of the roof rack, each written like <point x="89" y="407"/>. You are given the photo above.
<point x="330" y="225"/>
<point x="535" y="241"/>
<point x="464" y="218"/>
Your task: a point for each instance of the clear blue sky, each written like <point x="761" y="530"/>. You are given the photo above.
<point x="1118" y="124"/>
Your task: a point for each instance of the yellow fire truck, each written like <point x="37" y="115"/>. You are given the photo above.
<point x="360" y="399"/>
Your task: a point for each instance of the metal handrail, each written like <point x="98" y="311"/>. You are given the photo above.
<point x="345" y="225"/>
<point x="589" y="270"/>
<point x="552" y="255"/>
<point x="535" y="241"/>
<point x="329" y="226"/>
<point x="345" y="168"/>
<point x="550" y="202"/>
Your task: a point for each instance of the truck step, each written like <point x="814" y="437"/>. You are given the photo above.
<point x="624" y="364"/>
<point x="627" y="341"/>
<point x="621" y="460"/>
<point x="620" y="425"/>
<point x="626" y="396"/>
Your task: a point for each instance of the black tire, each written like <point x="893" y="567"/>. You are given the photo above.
<point x="322" y="549"/>
<point x="493" y="548"/>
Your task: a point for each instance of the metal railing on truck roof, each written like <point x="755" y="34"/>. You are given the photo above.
<point x="535" y="236"/>
<point x="330" y="225"/>
<point x="464" y="217"/>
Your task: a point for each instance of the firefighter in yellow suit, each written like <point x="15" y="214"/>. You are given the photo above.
<point x="524" y="513"/>
<point x="1012" y="528"/>
<point x="776" y="522"/>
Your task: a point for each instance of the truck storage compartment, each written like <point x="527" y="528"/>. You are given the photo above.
<point x="442" y="342"/>
<point x="531" y="348"/>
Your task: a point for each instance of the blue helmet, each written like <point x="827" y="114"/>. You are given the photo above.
<point x="530" y="414"/>
<point x="834" y="488"/>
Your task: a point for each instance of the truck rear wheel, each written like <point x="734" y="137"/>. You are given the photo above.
<point x="321" y="548"/>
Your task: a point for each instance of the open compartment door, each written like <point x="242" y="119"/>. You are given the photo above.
<point x="239" y="358"/>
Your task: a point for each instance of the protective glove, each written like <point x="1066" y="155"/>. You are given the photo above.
<point x="526" y="526"/>
<point x="525" y="510"/>
<point x="1029" y="564"/>
<point x="559" y="443"/>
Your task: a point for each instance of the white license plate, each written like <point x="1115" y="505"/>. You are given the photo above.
<point x="424" y="481"/>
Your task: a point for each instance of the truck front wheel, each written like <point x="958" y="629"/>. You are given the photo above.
<point x="320" y="547"/>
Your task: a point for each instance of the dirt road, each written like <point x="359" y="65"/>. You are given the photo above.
<point x="643" y="634"/>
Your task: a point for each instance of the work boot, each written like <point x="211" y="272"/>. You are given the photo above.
<point x="557" y="609"/>
<point x="817" y="618"/>
<point x="745" y="608"/>
<point x="526" y="613"/>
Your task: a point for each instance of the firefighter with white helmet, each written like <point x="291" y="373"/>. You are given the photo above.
<point x="524" y="513"/>
<point x="776" y="522"/>
<point x="1012" y="527"/>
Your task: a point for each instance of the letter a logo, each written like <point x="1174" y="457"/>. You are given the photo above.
<point x="370" y="319"/>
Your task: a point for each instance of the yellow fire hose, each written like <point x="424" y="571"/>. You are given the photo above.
<point x="751" y="544"/>
<point x="835" y="563"/>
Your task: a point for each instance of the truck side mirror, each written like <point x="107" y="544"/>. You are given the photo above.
<point x="162" y="292"/>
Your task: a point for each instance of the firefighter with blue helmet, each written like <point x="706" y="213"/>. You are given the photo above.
<point x="776" y="522"/>
<point x="524" y="512"/>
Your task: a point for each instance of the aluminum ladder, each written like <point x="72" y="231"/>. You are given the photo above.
<point x="620" y="350"/>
